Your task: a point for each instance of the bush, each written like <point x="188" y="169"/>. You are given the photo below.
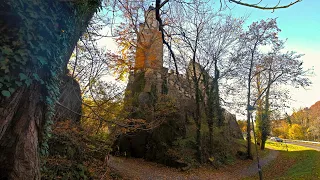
<point x="74" y="154"/>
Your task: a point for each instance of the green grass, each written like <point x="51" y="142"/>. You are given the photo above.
<point x="243" y="148"/>
<point x="293" y="162"/>
<point x="285" y="147"/>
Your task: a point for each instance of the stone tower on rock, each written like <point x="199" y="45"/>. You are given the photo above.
<point x="165" y="101"/>
<point x="149" y="48"/>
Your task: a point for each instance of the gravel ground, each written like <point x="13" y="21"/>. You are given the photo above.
<point x="139" y="169"/>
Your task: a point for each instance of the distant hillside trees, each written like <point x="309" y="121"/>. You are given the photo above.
<point x="295" y="132"/>
<point x="303" y="124"/>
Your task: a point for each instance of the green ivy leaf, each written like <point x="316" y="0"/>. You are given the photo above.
<point x="18" y="83"/>
<point x="20" y="59"/>
<point x="45" y="145"/>
<point x="49" y="135"/>
<point x="30" y="42"/>
<point x="28" y="82"/>
<point x="49" y="101"/>
<point x="36" y="77"/>
<point x="21" y="14"/>
<point x="65" y="44"/>
<point x="6" y="50"/>
<point x="42" y="60"/>
<point x="22" y="53"/>
<point x="22" y="76"/>
<point x="5" y="68"/>
<point x="11" y="90"/>
<point x="42" y="47"/>
<point x="34" y="15"/>
<point x="5" y="93"/>
<point x="43" y="151"/>
<point x="7" y="78"/>
<point x="53" y="73"/>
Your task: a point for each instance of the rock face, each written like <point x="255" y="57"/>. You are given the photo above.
<point x="232" y="124"/>
<point x="164" y="98"/>
<point x="70" y="101"/>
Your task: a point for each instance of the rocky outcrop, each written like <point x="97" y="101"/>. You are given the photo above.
<point x="231" y="122"/>
<point x="152" y="94"/>
<point x="69" y="106"/>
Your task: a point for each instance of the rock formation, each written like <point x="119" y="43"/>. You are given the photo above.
<point x="70" y="101"/>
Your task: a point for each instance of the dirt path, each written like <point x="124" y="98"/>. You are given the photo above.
<point x="136" y="169"/>
<point x="253" y="168"/>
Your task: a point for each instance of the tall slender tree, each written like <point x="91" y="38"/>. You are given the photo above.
<point x="279" y="69"/>
<point x="259" y="34"/>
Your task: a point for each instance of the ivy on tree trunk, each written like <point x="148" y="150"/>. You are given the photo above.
<point x="36" y="41"/>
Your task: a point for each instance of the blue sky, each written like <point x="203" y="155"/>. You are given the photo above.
<point x="299" y="23"/>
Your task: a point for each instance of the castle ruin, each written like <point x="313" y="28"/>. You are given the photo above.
<point x="148" y="82"/>
<point x="149" y="60"/>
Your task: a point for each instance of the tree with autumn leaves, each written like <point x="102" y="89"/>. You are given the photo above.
<point x="303" y="124"/>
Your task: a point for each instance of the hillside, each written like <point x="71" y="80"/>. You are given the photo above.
<point x="303" y="124"/>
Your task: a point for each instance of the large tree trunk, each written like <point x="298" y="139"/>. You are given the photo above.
<point x="20" y="121"/>
<point x="265" y="116"/>
<point x="263" y="143"/>
<point x="249" y="155"/>
<point x="198" y="141"/>
<point x="46" y="31"/>
<point x="197" y="116"/>
<point x="210" y="139"/>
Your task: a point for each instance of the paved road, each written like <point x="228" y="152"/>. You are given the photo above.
<point x="305" y="144"/>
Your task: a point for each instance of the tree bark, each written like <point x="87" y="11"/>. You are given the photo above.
<point x="265" y="116"/>
<point x="210" y="139"/>
<point x="20" y="121"/>
<point x="213" y="109"/>
<point x="197" y="115"/>
<point x="263" y="143"/>
<point x="22" y="115"/>
<point x="249" y="154"/>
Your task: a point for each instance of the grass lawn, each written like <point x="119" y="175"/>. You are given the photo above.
<point x="293" y="162"/>
<point x="253" y="149"/>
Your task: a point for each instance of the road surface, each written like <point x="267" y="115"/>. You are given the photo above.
<point x="304" y="143"/>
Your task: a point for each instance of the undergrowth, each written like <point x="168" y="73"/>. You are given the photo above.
<point x="76" y="154"/>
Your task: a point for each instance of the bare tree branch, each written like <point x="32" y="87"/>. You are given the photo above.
<point x="158" y="6"/>
<point x="257" y="6"/>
